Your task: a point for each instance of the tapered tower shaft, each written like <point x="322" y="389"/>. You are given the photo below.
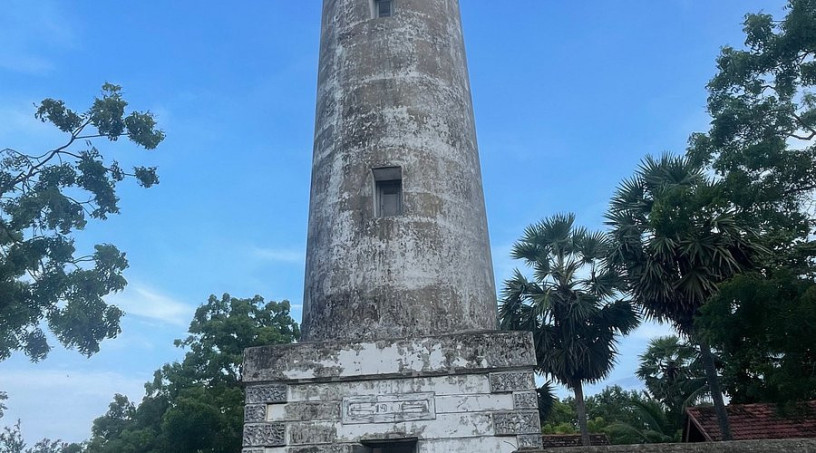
<point x="397" y="241"/>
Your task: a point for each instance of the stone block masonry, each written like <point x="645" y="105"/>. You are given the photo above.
<point x="466" y="392"/>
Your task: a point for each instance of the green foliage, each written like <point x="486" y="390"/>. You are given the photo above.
<point x="675" y="238"/>
<point x="648" y="424"/>
<point x="196" y="406"/>
<point x="673" y="373"/>
<point x="764" y="327"/>
<point x="763" y="109"/>
<point x="44" y="199"/>
<point x="761" y="146"/>
<point x="11" y="441"/>
<point x="546" y="401"/>
<point x="573" y="305"/>
<point x="561" y="419"/>
<point x="626" y="417"/>
<point x="614" y="404"/>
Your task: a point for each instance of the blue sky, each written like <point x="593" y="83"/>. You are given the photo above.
<point x="568" y="97"/>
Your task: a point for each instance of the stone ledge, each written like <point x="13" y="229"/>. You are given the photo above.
<point x="746" y="446"/>
<point x="461" y="353"/>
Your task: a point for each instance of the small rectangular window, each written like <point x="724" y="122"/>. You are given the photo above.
<point x="388" y="191"/>
<point x="408" y="446"/>
<point x="383" y="8"/>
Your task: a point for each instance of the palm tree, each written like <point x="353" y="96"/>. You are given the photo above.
<point x="673" y="374"/>
<point x="653" y="425"/>
<point x="572" y="305"/>
<point x="676" y="239"/>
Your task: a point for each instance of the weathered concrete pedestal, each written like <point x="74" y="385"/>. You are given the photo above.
<point x="462" y="393"/>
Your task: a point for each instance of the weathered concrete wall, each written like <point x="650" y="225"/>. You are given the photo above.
<point x="750" y="446"/>
<point x="461" y="393"/>
<point x="394" y="91"/>
<point x="337" y="360"/>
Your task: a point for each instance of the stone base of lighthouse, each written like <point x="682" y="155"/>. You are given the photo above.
<point x="468" y="392"/>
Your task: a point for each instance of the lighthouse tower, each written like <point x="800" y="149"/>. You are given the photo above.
<point x="400" y="352"/>
<point x="398" y="242"/>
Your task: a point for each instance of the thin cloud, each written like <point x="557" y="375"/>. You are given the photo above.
<point x="289" y="256"/>
<point x="138" y="300"/>
<point x="29" y="31"/>
<point x="81" y="398"/>
<point x="651" y="329"/>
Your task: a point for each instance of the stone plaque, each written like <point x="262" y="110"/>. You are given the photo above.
<point x="513" y="423"/>
<point x="266" y="394"/>
<point x="530" y="442"/>
<point x="329" y="449"/>
<point x="308" y="434"/>
<point x="525" y="400"/>
<point x="312" y="411"/>
<point x="255" y="413"/>
<point x="265" y="435"/>
<point x="388" y="408"/>
<point x="511" y="382"/>
<point x="252" y="450"/>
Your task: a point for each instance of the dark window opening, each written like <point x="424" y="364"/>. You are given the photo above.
<point x="383" y="8"/>
<point x="401" y="446"/>
<point x="388" y="191"/>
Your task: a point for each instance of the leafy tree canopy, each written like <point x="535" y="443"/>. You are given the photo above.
<point x="764" y="326"/>
<point x="45" y="197"/>
<point x="762" y="147"/>
<point x="11" y="441"/>
<point x="196" y="406"/>
<point x="761" y="140"/>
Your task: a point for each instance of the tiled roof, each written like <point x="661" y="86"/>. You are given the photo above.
<point x="753" y="421"/>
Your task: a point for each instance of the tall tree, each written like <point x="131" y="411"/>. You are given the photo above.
<point x="763" y="325"/>
<point x="673" y="374"/>
<point x="196" y="406"/>
<point x="573" y="305"/>
<point x="763" y="109"/>
<point x="762" y="145"/>
<point x="45" y="197"/>
<point x="676" y="239"/>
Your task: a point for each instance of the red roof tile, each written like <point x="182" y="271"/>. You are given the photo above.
<point x="753" y="421"/>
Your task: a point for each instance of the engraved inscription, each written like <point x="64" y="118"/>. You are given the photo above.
<point x="266" y="435"/>
<point x="308" y="434"/>
<point x="328" y="449"/>
<point x="252" y="450"/>
<point x="255" y="413"/>
<point x="388" y="408"/>
<point x="513" y="423"/>
<point x="511" y="382"/>
<point x="525" y="400"/>
<point x="266" y="394"/>
<point x="530" y="442"/>
<point x="312" y="411"/>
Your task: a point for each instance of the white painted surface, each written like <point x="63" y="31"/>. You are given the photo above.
<point x="440" y="385"/>
<point x="473" y="403"/>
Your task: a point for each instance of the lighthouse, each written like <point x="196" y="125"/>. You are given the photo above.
<point x="397" y="243"/>
<point x="400" y="352"/>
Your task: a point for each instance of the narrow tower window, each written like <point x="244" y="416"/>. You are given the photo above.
<point x="382" y="8"/>
<point x="388" y="191"/>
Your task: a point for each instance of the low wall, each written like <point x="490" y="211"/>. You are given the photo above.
<point x="747" y="446"/>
